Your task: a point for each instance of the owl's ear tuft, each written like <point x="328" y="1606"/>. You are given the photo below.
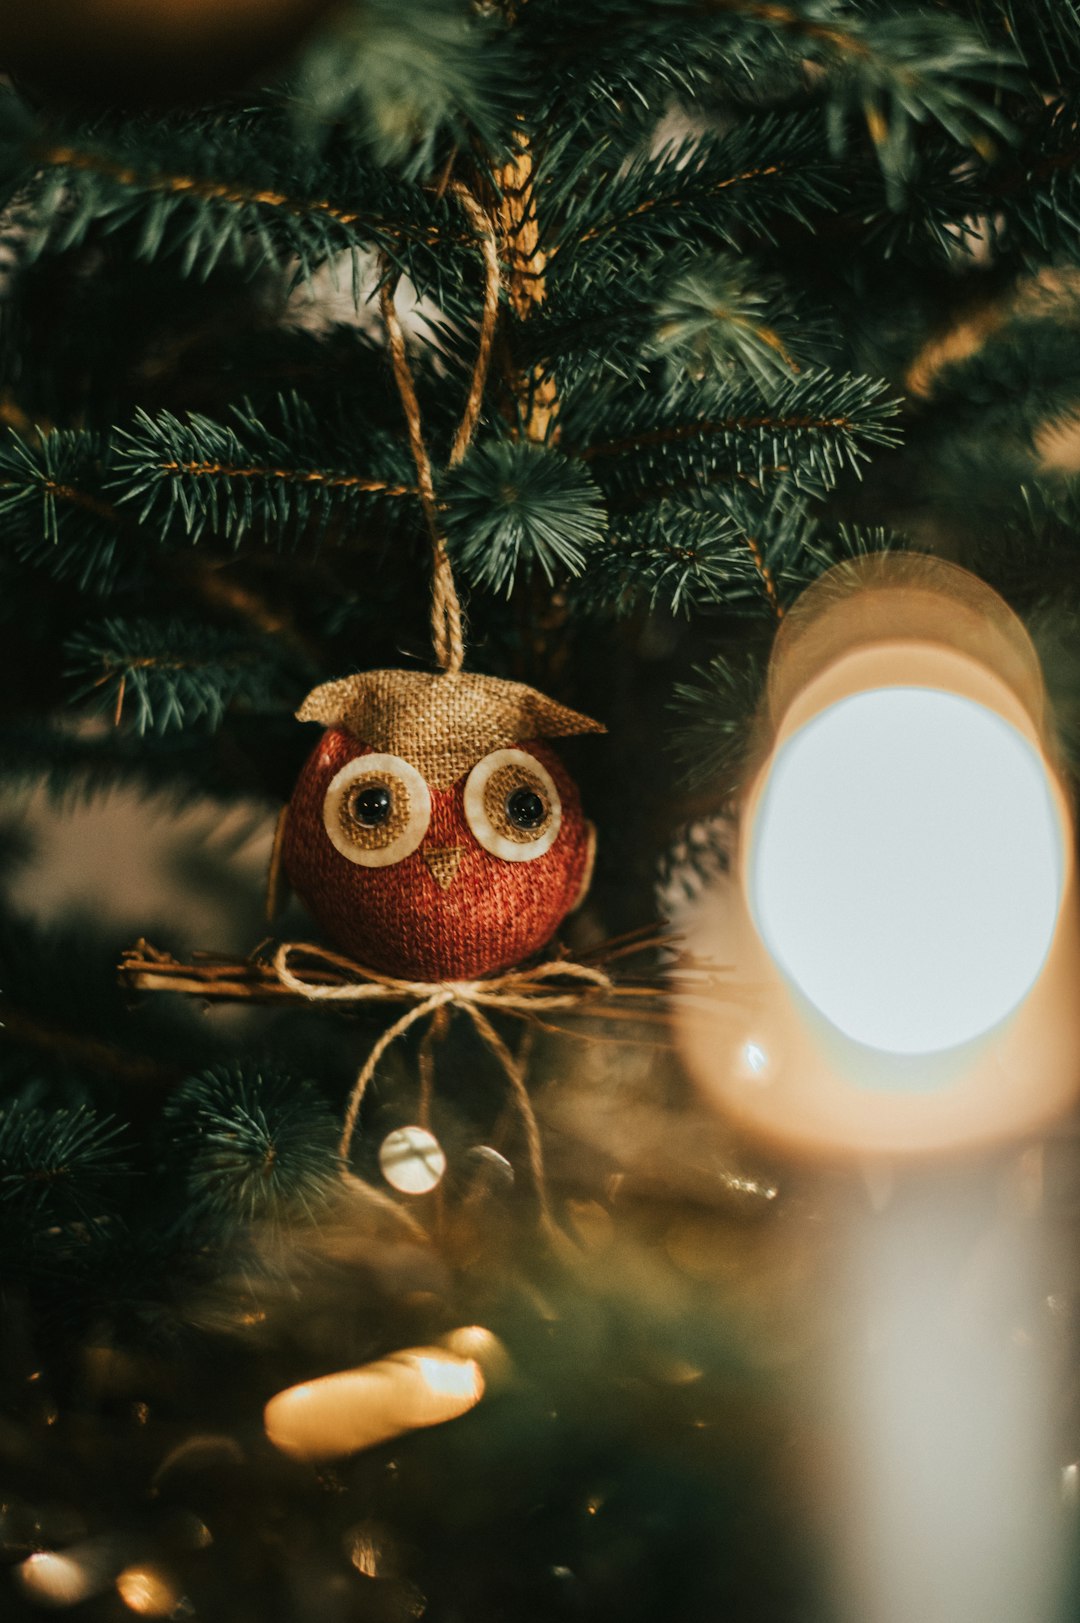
<point x="544" y="718"/>
<point x="332" y="702"/>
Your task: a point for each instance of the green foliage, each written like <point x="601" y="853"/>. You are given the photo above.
<point x="713" y="715"/>
<point x="171" y="674"/>
<point x="56" y="512"/>
<point x="232" y="189"/>
<point x="673" y="557"/>
<point x="899" y="71"/>
<point x="57" y="1166"/>
<point x="251" y="1145"/>
<point x="406" y="75"/>
<point x="1041" y="190"/>
<point x="755" y="229"/>
<point x="1046" y="33"/>
<point x="715" y="188"/>
<point x="724" y="315"/>
<point x="513" y="508"/>
<point x="280" y="483"/>
<point x="814" y="426"/>
<point x="892" y="68"/>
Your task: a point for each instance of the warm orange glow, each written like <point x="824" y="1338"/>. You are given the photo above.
<point x="56" y="1578"/>
<point x="148" y="1591"/>
<point x="845" y="1033"/>
<point x="360" y="1408"/>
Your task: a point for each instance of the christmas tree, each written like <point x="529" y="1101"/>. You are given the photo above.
<point x="629" y="320"/>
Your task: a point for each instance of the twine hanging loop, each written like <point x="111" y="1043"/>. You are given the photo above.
<point x="447" y="628"/>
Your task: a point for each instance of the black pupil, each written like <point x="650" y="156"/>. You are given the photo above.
<point x="525" y="809"/>
<point x="371" y="807"/>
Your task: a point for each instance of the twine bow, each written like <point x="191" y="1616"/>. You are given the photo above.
<point x="518" y="990"/>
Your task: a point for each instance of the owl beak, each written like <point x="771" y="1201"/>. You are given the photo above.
<point x="443" y="862"/>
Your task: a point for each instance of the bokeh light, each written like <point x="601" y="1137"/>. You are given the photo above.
<point x="360" y="1408"/>
<point x="907" y="866"/>
<point x="412" y="1160"/>
<point x="899" y="933"/>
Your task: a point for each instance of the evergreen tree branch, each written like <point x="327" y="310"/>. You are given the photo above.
<point x="239" y="191"/>
<point x="52" y="493"/>
<point x="252" y="1144"/>
<point x="815" y="424"/>
<point x="712" y="718"/>
<point x="232" y="479"/>
<point x="177" y="674"/>
<point x="718" y="187"/>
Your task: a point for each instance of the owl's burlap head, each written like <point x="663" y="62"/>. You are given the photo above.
<point x="442" y="724"/>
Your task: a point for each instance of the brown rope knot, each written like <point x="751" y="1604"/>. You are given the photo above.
<point x="554" y="984"/>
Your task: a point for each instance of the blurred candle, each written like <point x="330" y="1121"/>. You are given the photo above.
<point x="945" y="1506"/>
<point x="903" y="918"/>
<point x="904" y="914"/>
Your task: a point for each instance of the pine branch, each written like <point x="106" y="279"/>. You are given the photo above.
<point x="408" y="77"/>
<point x="1046" y="33"/>
<point x="52" y="495"/>
<point x="237" y="191"/>
<point x="894" y="73"/>
<point x="514" y="509"/>
<point x="672" y="557"/>
<point x="716" y="189"/>
<point x="891" y="72"/>
<point x="813" y="426"/>
<point x="723" y="316"/>
<point x="230" y="480"/>
<point x="175" y="674"/>
<point x="742" y="548"/>
<point x="1039" y="193"/>
<point x="713" y="716"/>
<point x="56" y="1165"/>
<point x="251" y="1144"/>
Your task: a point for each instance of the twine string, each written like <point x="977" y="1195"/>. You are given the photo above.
<point x="519" y="990"/>
<point x="519" y="1094"/>
<point x="367" y="1071"/>
<point x="435" y="1032"/>
<point x="447" y="630"/>
<point x="489" y="248"/>
<point x="447" y="633"/>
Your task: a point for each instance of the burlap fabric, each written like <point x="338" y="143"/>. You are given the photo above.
<point x="441" y="723"/>
<point x="405" y="919"/>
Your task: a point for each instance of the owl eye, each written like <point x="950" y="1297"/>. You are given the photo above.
<point x="512" y="805"/>
<point x="377" y="810"/>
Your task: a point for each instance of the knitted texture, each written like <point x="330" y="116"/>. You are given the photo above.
<point x="450" y="910"/>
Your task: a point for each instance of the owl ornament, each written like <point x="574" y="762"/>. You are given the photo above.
<point x="433" y="832"/>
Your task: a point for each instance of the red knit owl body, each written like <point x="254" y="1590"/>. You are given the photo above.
<point x="415" y="867"/>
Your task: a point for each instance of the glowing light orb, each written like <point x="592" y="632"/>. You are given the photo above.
<point x="907" y="867"/>
<point x="755" y="1058"/>
<point x="148" y="1591"/>
<point x="412" y="1160"/>
<point x="52" y="1578"/>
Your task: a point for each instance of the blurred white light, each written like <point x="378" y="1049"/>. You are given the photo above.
<point x="907" y="867"/>
<point x="52" y="1578"/>
<point x="412" y="1160"/>
<point x="755" y="1057"/>
<point x="1070" y="1485"/>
